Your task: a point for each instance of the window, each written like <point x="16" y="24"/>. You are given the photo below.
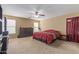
<point x="36" y="27"/>
<point x="11" y="26"/>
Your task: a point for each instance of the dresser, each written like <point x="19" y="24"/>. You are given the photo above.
<point x="25" y="32"/>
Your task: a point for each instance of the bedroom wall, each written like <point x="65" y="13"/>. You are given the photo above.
<point x="57" y="23"/>
<point x="20" y="22"/>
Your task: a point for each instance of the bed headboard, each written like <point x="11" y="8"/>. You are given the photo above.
<point x="24" y="32"/>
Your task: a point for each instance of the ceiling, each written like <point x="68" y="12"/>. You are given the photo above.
<point x="50" y="10"/>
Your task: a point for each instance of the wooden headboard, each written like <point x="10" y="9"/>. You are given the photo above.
<point x="24" y="32"/>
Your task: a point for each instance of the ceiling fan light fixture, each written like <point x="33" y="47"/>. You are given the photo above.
<point x="36" y="16"/>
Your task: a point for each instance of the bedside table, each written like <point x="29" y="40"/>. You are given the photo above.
<point x="63" y="37"/>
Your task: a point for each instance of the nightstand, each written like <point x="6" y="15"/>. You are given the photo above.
<point x="63" y="37"/>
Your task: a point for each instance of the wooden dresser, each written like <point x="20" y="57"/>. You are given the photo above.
<point x="25" y="32"/>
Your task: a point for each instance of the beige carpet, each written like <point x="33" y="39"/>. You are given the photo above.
<point x="29" y="46"/>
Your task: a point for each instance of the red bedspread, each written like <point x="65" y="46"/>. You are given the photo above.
<point x="48" y="35"/>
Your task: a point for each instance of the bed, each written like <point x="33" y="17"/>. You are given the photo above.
<point x="47" y="36"/>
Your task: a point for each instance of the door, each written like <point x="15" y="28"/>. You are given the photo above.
<point x="36" y="27"/>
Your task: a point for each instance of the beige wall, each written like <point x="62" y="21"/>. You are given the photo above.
<point x="57" y="23"/>
<point x="20" y="22"/>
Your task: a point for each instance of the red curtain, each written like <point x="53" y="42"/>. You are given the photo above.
<point x="73" y="29"/>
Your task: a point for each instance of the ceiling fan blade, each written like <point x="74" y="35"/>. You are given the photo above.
<point x="41" y="14"/>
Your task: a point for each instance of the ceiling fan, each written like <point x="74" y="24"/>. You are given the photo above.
<point x="39" y="14"/>
<point x="36" y="14"/>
